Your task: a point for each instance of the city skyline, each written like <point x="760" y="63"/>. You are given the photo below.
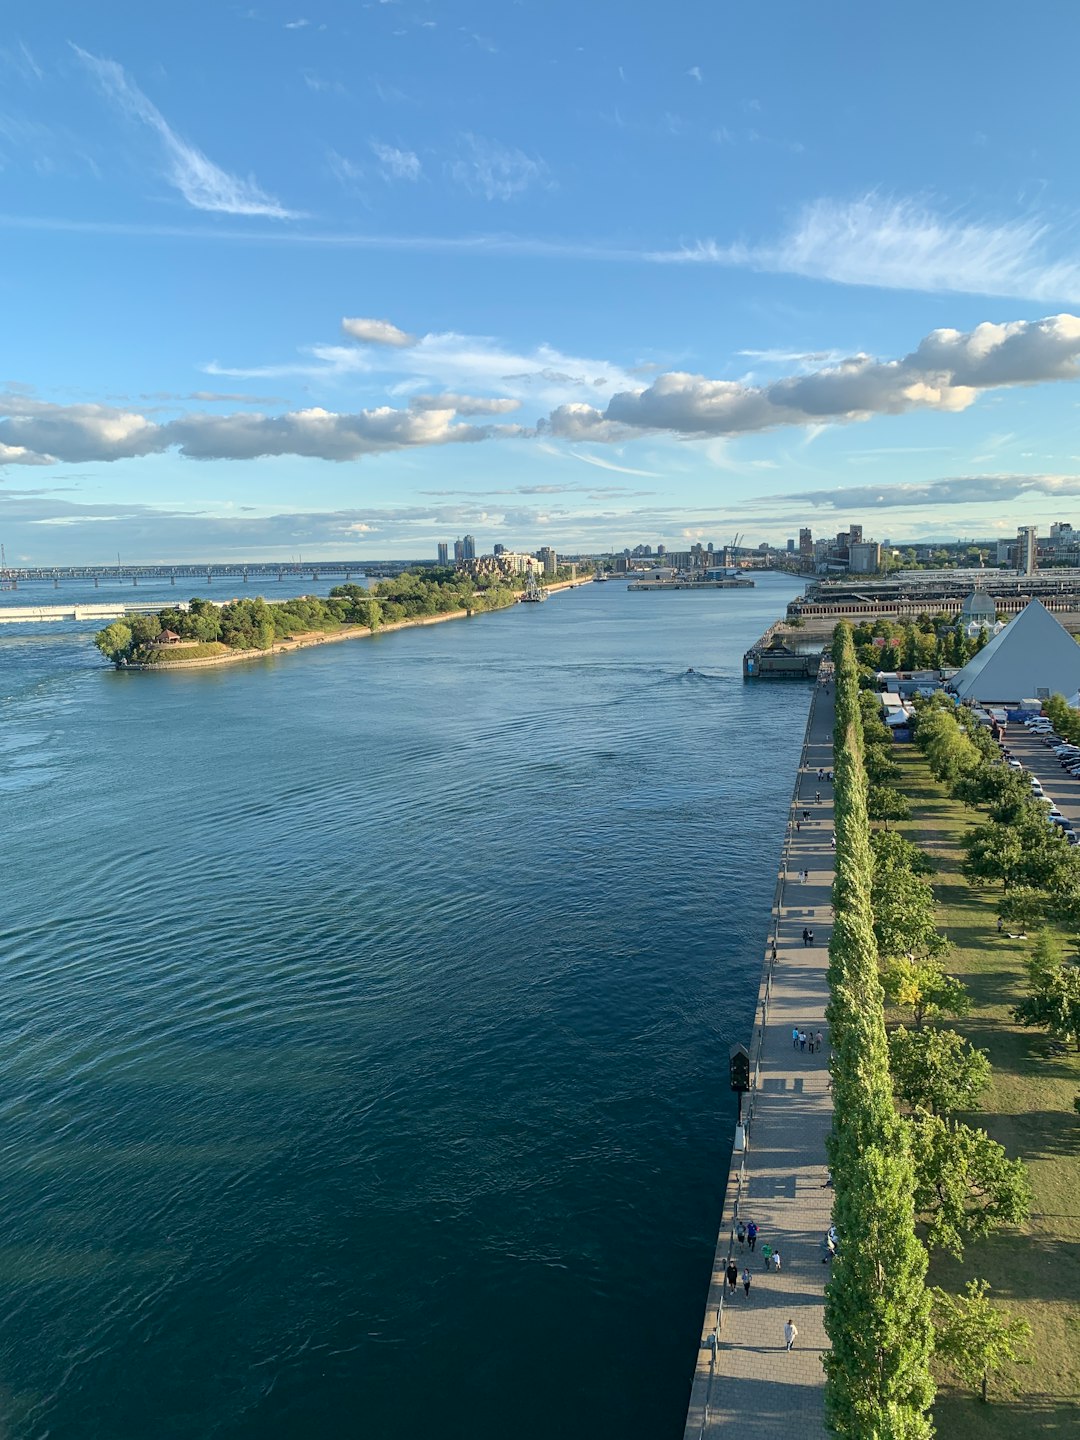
<point x="341" y="280"/>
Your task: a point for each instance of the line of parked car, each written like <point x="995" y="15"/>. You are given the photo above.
<point x="1069" y="758"/>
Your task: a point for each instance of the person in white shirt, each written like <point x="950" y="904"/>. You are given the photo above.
<point x="790" y="1333"/>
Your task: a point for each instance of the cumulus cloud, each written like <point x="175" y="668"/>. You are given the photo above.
<point x="900" y="244"/>
<point x="35" y="432"/>
<point x="498" y="172"/>
<point x="204" y="185"/>
<point x="466" y="404"/>
<point x="945" y="372"/>
<point x="376" y="332"/>
<point x="395" y="164"/>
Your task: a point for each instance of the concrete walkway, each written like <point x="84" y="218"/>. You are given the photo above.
<point x="744" y="1376"/>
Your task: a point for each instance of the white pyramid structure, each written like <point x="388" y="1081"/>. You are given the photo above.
<point x="1033" y="656"/>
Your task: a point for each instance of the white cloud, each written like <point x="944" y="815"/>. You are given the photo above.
<point x="945" y="372"/>
<point x="903" y="245"/>
<point x="376" y="332"/>
<point x="495" y="171"/>
<point x="695" y="73"/>
<point x="34" y="432"/>
<point x="396" y="164"/>
<point x="204" y="185"/>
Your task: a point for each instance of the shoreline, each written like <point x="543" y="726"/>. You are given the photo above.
<point x="774" y="1174"/>
<point x="320" y="637"/>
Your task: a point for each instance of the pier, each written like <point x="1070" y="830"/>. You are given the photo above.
<point x="782" y="654"/>
<point x="744" y="1377"/>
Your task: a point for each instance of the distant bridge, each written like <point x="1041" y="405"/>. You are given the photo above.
<point x="14" y="576"/>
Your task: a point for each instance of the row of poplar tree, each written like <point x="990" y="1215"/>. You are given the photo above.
<point x="892" y="1170"/>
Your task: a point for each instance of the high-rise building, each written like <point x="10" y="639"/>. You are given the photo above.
<point x="469" y="544"/>
<point x="855" y="535"/>
<point x="444" y="553"/>
<point x="498" y="549"/>
<point x="459" y="551"/>
<point x="791" y="545"/>
<point x="1027" y="550"/>
<point x="549" y="559"/>
<point x="806" y="543"/>
<point x="661" y="549"/>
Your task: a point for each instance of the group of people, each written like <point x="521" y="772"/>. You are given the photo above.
<point x="806" y="1040"/>
<point x="807" y="935"/>
<point x="825" y="775"/>
<point x="748" y="1235"/>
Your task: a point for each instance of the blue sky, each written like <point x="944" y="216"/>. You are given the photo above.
<point x="353" y="278"/>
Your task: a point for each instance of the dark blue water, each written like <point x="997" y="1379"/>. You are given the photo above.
<point x="364" y="1018"/>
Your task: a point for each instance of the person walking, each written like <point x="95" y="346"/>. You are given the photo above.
<point x="746" y="1282"/>
<point x="732" y="1276"/>
<point x="776" y="1259"/>
<point x="790" y="1334"/>
<point x="805" y="941"/>
<point x="751" y="1234"/>
<point x="817" y="796"/>
<point x="810" y="937"/>
<point x="802" y="1040"/>
<point x="820" y="1038"/>
<point x="798" y="826"/>
<point x="795" y="1031"/>
<point x="740" y="1234"/>
<point x="810" y="1042"/>
<point x="766" y="1253"/>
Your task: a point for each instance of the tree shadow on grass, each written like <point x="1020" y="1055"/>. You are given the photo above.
<point x="965" y="1417"/>
<point x="1038" y="1134"/>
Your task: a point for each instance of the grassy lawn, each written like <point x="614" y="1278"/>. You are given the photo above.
<point x="1034" y="1271"/>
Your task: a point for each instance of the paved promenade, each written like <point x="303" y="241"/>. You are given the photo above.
<point x="744" y="1377"/>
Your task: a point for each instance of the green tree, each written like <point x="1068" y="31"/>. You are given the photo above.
<point x="115" y="641"/>
<point x="922" y="987"/>
<point x="973" y="1339"/>
<point x="965" y="1184"/>
<point x="1053" y="1002"/>
<point x="937" y="1070"/>
<point x="883" y="802"/>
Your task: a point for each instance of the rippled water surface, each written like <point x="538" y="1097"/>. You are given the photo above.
<point x="364" y="1019"/>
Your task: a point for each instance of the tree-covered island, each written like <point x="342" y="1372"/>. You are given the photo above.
<point x="203" y="630"/>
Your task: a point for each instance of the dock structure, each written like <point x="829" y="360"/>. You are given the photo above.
<point x="778" y="656"/>
<point x="744" y="1377"/>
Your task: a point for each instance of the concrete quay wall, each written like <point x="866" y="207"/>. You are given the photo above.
<point x="744" y="1377"/>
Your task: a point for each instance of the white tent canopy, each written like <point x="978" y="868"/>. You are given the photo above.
<point x="1033" y="655"/>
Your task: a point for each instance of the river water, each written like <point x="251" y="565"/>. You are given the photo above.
<point x="364" y="1018"/>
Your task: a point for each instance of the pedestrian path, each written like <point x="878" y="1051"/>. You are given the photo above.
<point x="744" y="1376"/>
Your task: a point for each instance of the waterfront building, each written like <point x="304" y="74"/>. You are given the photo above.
<point x="791" y="545"/>
<point x="1034" y="657"/>
<point x="661" y="551"/>
<point x="550" y="561"/>
<point x="855" y="535"/>
<point x="1027" y="549"/>
<point x="469" y="548"/>
<point x="978" y="607"/>
<point x="444" y="553"/>
<point x="459" y="551"/>
<point x="806" y="545"/>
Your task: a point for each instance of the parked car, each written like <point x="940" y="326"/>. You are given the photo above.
<point x="1014" y="764"/>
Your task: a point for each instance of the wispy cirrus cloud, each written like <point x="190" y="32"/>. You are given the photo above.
<point x="395" y="163"/>
<point x="901" y="244"/>
<point x="204" y="185"/>
<point x="498" y="172"/>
